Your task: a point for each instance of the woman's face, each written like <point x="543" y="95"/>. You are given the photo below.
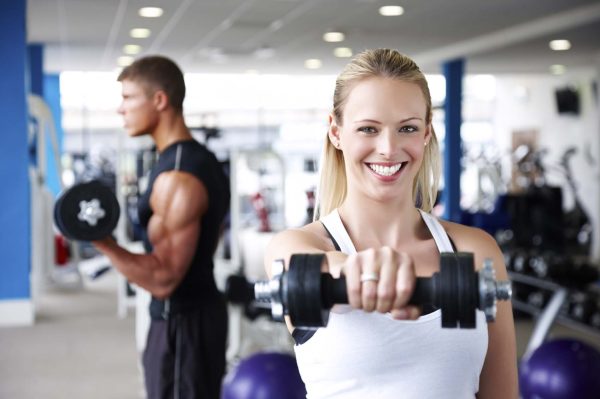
<point x="382" y="135"/>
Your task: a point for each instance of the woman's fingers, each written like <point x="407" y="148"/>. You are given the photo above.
<point x="369" y="278"/>
<point x="405" y="281"/>
<point x="352" y="270"/>
<point x="388" y="261"/>
<point x="381" y="280"/>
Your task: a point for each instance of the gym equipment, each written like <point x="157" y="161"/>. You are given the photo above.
<point x="570" y="231"/>
<point x="306" y="295"/>
<point x="562" y="368"/>
<point x="582" y="305"/>
<point x="48" y="263"/>
<point x="538" y="298"/>
<point x="520" y="262"/>
<point x="87" y="211"/>
<point x="264" y="375"/>
<point x="578" y="226"/>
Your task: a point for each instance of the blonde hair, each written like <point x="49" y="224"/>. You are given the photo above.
<point x="371" y="63"/>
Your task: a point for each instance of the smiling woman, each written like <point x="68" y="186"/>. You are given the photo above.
<point x="379" y="174"/>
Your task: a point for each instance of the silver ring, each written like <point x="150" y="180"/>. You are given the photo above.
<point x="369" y="276"/>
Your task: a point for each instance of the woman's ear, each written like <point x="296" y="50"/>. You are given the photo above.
<point x="428" y="130"/>
<point x="334" y="132"/>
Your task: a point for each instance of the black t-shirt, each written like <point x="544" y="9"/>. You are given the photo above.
<point x="198" y="285"/>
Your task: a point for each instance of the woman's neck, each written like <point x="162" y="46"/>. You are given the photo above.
<point x="372" y="224"/>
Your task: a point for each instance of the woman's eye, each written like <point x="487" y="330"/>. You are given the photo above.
<point x="408" y="129"/>
<point x="367" y="129"/>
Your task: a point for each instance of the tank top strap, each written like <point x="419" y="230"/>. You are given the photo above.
<point x="335" y="227"/>
<point x="437" y="231"/>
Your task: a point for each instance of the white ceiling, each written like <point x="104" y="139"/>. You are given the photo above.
<point x="495" y="36"/>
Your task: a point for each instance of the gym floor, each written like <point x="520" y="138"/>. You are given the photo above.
<point x="79" y="348"/>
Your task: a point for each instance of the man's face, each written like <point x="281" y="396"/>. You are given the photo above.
<point x="140" y="115"/>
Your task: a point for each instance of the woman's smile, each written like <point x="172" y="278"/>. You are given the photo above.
<point x="386" y="171"/>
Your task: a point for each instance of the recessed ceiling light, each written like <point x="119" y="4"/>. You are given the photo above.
<point x="313" y="63"/>
<point x="342" y="52"/>
<point x="140" y="33"/>
<point x="150" y="12"/>
<point x="251" y="72"/>
<point x="132" y="49"/>
<point x="333" y="37"/>
<point x="124" y="60"/>
<point x="558" y="69"/>
<point x="560" y="45"/>
<point x="391" y="11"/>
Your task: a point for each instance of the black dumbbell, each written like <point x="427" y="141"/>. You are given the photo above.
<point x="240" y="291"/>
<point x="305" y="294"/>
<point x="87" y="211"/>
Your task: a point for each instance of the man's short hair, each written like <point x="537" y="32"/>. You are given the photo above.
<point x="157" y="73"/>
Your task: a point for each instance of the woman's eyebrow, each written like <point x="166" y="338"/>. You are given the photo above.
<point x="376" y="121"/>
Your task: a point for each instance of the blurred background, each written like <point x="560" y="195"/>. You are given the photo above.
<point x="516" y="108"/>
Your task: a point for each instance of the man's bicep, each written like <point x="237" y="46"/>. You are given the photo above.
<point x="180" y="202"/>
<point x="181" y="199"/>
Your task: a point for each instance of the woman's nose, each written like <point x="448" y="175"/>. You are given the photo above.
<point x="387" y="143"/>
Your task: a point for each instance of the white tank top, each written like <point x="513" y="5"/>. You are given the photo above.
<point x="370" y="355"/>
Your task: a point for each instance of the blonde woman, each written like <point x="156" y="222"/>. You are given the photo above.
<point x="379" y="178"/>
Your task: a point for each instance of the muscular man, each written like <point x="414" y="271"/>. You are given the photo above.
<point x="182" y="213"/>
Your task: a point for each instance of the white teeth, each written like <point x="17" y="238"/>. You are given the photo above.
<point x="385" y="170"/>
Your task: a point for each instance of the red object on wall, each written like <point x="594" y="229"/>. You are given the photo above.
<point x="262" y="212"/>
<point x="61" y="250"/>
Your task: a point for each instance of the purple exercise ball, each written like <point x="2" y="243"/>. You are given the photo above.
<point x="561" y="369"/>
<point x="265" y="375"/>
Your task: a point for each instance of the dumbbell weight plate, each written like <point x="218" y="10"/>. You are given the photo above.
<point x="448" y="290"/>
<point x="57" y="218"/>
<point x="303" y="291"/>
<point x="468" y="291"/>
<point x="67" y="209"/>
<point x="458" y="290"/>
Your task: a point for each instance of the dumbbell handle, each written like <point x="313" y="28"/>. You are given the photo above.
<point x="425" y="290"/>
<point x="334" y="291"/>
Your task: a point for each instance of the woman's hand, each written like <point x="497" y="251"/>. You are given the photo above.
<point x="381" y="280"/>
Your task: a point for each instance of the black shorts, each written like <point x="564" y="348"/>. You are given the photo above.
<point x="185" y="355"/>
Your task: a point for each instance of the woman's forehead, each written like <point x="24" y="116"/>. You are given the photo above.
<point x="379" y="94"/>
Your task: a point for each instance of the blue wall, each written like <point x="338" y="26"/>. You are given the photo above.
<point x="14" y="179"/>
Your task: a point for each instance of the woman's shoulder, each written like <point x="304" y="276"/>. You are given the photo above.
<point x="311" y="235"/>
<point x="468" y="238"/>
<point x="478" y="242"/>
